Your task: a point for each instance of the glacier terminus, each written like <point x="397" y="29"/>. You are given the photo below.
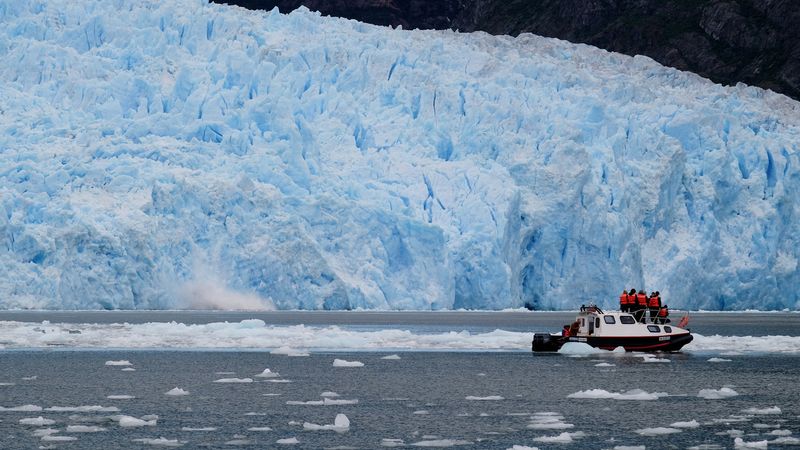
<point x="184" y="154"/>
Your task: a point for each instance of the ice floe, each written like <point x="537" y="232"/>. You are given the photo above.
<point x="717" y="360"/>
<point x="120" y="397"/>
<point x="441" y="443"/>
<point x="522" y="447"/>
<point x="234" y="380"/>
<point x="563" y="438"/>
<point x="344" y="363"/>
<point x="288" y="351"/>
<point x="259" y="429"/>
<point x="22" y="408"/>
<point x="268" y="374"/>
<point x="633" y="394"/>
<point x="129" y="369"/>
<point x="392" y="442"/>
<point x="57" y="438"/>
<point x="657" y="431"/>
<point x="324" y="402"/>
<point x="36" y="421"/>
<point x="548" y="421"/>
<point x="770" y="410"/>
<point x="688" y="424"/>
<point x="31" y="378"/>
<point x="579" y="348"/>
<point x="83" y="408"/>
<point x="487" y="398"/>
<point x="121" y="362"/>
<point x="391" y="357"/>
<point x="341" y="424"/>
<point x="44" y="432"/>
<point x="604" y="364"/>
<point x="199" y="429"/>
<point x="785" y="441"/>
<point x="329" y="394"/>
<point x="780" y="432"/>
<point x="742" y="444"/>
<point x="717" y="394"/>
<point x="134" y="422"/>
<point x="84" y="429"/>
<point x="287" y="441"/>
<point x="176" y="391"/>
<point x="160" y="442"/>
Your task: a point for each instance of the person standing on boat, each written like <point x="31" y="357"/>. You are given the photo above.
<point x="623" y="301"/>
<point x="663" y="315"/>
<point x="632" y="301"/>
<point x="641" y="306"/>
<point x="654" y="304"/>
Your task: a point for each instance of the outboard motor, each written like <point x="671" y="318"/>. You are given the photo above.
<point x="546" y="342"/>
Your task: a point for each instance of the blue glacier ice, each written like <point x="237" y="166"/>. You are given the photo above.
<point x="180" y="154"/>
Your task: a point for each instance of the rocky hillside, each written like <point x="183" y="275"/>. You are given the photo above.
<point x="752" y="41"/>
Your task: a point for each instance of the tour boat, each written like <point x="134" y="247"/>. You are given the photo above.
<point x="616" y="329"/>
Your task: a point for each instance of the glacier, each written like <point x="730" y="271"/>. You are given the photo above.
<point x="183" y="154"/>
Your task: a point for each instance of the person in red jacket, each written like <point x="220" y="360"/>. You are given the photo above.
<point x="632" y="301"/>
<point x="641" y="306"/>
<point x="654" y="305"/>
<point x="623" y="301"/>
<point x="663" y="315"/>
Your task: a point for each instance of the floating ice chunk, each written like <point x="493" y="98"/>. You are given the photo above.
<point x="259" y="429"/>
<point x="133" y="422"/>
<point x="657" y="431"/>
<point x="785" y="441"/>
<point x="287" y="441"/>
<point x="648" y="358"/>
<point x="278" y="380"/>
<point x="619" y="350"/>
<point x="390" y="442"/>
<point x="488" y="398"/>
<point x="421" y="412"/>
<point x="740" y="443"/>
<point x="690" y="424"/>
<point x="770" y="410"/>
<point x="579" y="348"/>
<point x="341" y="424"/>
<point x="234" y="380"/>
<point x="765" y="425"/>
<point x="129" y="369"/>
<point x="238" y="442"/>
<point x="329" y="394"/>
<point x="633" y="394"/>
<point x="731" y="433"/>
<point x="31" y="378"/>
<point x="36" y="421"/>
<point x="629" y="447"/>
<point x="121" y="362"/>
<point x="22" y="408"/>
<point x="343" y="363"/>
<point x="604" y="364"/>
<point x="706" y="447"/>
<point x="563" y="438"/>
<point x="522" y="447"/>
<point x="268" y="374"/>
<point x="84" y="429"/>
<point x="391" y="357"/>
<point x="780" y="432"/>
<point x="160" y="442"/>
<point x="7" y="384"/>
<point x="440" y="443"/>
<point x="120" y="397"/>
<point x="548" y="421"/>
<point x="324" y="402"/>
<point x="56" y="438"/>
<point x="716" y="360"/>
<point x="288" y="351"/>
<point x="224" y="373"/>
<point x="44" y="432"/>
<point x="176" y="391"/>
<point x="717" y="394"/>
<point x="86" y="408"/>
<point x="199" y="429"/>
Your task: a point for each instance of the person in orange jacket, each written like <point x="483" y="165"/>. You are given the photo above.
<point x="654" y="305"/>
<point x="623" y="301"/>
<point x="641" y="306"/>
<point x="663" y="315"/>
<point x="632" y="302"/>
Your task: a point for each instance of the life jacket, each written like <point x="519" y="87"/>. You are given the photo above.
<point x="654" y="302"/>
<point x="663" y="312"/>
<point x="623" y="298"/>
<point x="642" y="299"/>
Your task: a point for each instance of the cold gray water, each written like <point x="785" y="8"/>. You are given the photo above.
<point x="473" y="399"/>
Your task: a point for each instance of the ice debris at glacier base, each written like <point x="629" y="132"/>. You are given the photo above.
<point x="186" y="155"/>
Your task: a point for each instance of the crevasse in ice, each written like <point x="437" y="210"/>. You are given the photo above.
<point x="180" y="154"/>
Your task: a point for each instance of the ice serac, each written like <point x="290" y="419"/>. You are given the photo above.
<point x="180" y="154"/>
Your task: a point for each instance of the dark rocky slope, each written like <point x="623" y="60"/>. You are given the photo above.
<point x="752" y="41"/>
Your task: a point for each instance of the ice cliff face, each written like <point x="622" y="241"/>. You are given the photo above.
<point x="180" y="154"/>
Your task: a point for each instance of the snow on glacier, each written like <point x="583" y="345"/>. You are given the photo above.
<point x="190" y="155"/>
